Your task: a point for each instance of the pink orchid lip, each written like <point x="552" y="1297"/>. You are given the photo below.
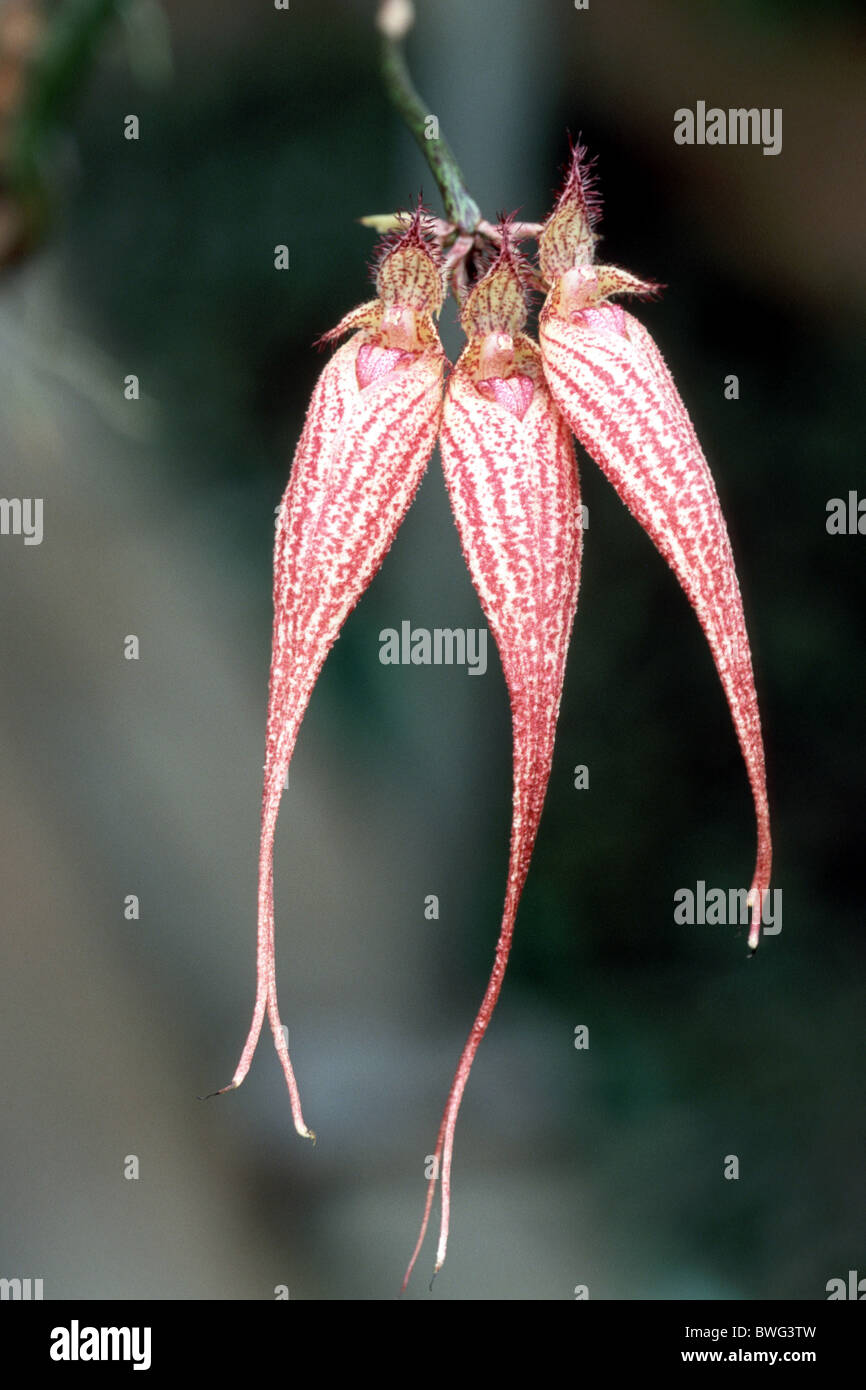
<point x="607" y="318"/>
<point x="374" y="362"/>
<point x="582" y="300"/>
<point x="513" y="393"/>
<point x="497" y="380"/>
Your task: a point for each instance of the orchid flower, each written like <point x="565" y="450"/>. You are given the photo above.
<point x="370" y="430"/>
<point x="612" y="385"/>
<point x="505" y="437"/>
<point x="512" y="478"/>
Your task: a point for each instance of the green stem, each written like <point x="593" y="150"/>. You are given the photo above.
<point x="460" y="206"/>
<point x="65" y="60"/>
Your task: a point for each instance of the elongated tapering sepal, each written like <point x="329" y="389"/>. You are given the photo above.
<point x="612" y="385"/>
<point x="370" y="429"/>
<point x="512" y="480"/>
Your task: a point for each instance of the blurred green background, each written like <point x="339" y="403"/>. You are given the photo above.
<point x="603" y="1167"/>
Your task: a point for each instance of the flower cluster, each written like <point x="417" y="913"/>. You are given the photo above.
<point x="504" y="425"/>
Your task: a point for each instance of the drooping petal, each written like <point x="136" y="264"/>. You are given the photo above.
<point x="611" y="383"/>
<point x="512" y="479"/>
<point x="369" y="432"/>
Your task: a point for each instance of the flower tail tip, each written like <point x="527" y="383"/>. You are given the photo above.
<point x="221" y="1092"/>
<point x="755" y="901"/>
<point x="232" y="1086"/>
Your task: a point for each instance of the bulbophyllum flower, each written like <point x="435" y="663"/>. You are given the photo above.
<point x="369" y="433"/>
<point x="512" y="479"/>
<point x="614" y="388"/>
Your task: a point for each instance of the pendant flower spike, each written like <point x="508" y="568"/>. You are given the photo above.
<point x="510" y="471"/>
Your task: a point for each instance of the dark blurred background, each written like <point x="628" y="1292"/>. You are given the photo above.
<point x="603" y="1167"/>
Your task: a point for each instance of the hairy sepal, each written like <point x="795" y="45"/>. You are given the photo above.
<point x="357" y="467"/>
<point x="611" y="383"/>
<point x="569" y="237"/>
<point x="513" y="484"/>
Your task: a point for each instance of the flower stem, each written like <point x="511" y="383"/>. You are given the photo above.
<point x="66" y="58"/>
<point x="460" y="207"/>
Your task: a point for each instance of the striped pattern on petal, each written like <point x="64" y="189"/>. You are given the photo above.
<point x="514" y="491"/>
<point x="357" y="467"/>
<point x="612" y="384"/>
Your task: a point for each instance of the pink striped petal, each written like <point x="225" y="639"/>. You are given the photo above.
<point x="610" y="381"/>
<point x="370" y="429"/>
<point x="512" y="479"/>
